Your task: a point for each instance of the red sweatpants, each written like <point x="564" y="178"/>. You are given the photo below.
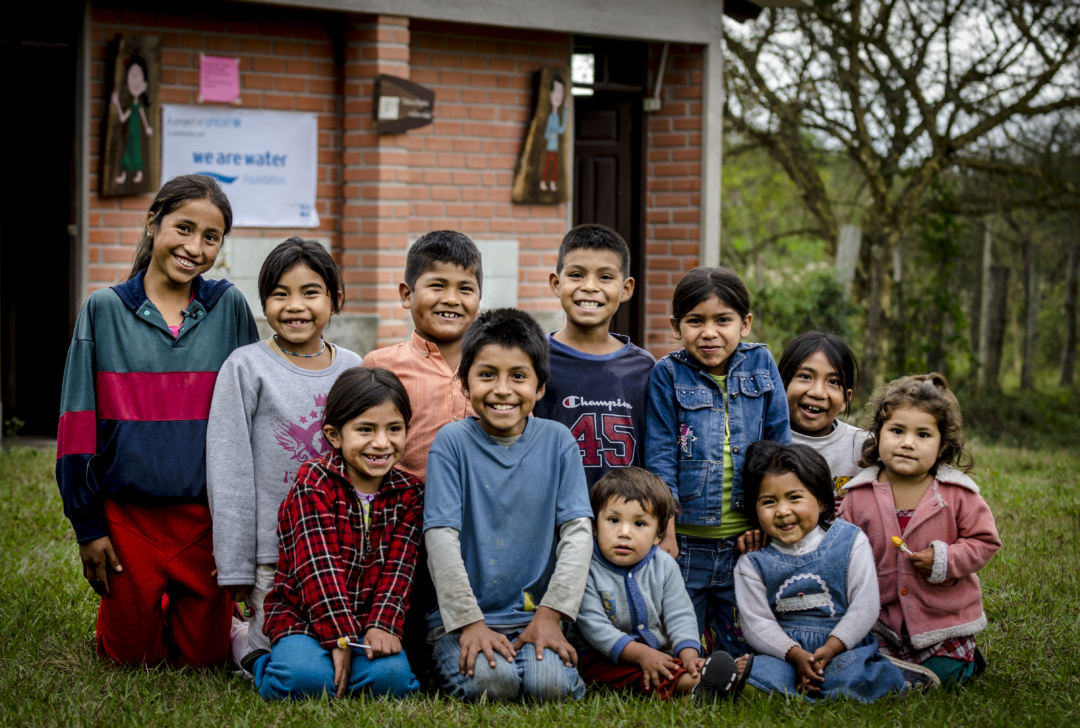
<point x="164" y="551"/>
<point x="595" y="669"/>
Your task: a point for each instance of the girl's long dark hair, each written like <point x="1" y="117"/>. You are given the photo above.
<point x="177" y="192"/>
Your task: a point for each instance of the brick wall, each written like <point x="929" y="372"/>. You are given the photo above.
<point x="673" y="214"/>
<point x="287" y="61"/>
<point x="376" y="192"/>
<point x="465" y="162"/>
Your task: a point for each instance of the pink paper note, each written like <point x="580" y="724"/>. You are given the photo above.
<point x="219" y="79"/>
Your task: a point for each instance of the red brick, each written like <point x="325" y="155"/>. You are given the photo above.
<point x="256" y="81"/>
<point x="268" y="65"/>
<point x="222" y="44"/>
<point x="290" y="83"/>
<point x="277" y="101"/>
<point x="288" y="48"/>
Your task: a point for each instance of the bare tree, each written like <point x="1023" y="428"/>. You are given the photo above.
<point x="906" y="88"/>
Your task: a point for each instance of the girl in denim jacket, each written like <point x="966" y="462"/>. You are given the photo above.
<point x="706" y="403"/>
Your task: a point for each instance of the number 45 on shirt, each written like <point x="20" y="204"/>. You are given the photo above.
<point x="614" y="438"/>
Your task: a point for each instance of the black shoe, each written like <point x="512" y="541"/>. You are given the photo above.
<point x="737" y="690"/>
<point x="916" y="677"/>
<point x="980" y="662"/>
<point x="719" y="678"/>
<point x="248" y="663"/>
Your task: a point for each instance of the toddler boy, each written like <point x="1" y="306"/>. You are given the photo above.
<point x="598" y="379"/>
<point x="636" y="624"/>
<point x="507" y="525"/>
<point x="443" y="278"/>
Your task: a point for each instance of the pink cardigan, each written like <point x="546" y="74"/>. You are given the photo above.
<point x="953" y="519"/>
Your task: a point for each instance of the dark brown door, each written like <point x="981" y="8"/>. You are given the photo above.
<point x="37" y="264"/>
<point x="606" y="181"/>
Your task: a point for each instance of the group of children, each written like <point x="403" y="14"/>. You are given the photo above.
<point x="505" y="512"/>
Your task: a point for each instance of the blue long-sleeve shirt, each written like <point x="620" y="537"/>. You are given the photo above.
<point x="645" y="603"/>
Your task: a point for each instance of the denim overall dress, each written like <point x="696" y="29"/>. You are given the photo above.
<point x="808" y="596"/>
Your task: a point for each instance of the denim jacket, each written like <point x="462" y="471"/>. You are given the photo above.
<point x="684" y="431"/>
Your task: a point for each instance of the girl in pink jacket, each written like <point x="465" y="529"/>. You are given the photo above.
<point x="929" y="528"/>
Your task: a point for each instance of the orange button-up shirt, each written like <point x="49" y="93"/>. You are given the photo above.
<point x="434" y="392"/>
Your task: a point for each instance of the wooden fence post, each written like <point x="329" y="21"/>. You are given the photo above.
<point x="997" y="315"/>
<point x="1031" y="316"/>
<point x="1068" y="356"/>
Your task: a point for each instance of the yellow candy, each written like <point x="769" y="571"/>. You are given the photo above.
<point x="342" y="643"/>
<point x="898" y="541"/>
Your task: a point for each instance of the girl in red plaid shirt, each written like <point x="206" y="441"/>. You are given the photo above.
<point x="348" y="531"/>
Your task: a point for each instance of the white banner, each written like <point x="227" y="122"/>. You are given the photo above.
<point x="266" y="161"/>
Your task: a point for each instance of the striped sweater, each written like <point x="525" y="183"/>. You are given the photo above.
<point x="135" y="400"/>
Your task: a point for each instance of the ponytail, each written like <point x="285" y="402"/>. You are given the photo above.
<point x="175" y="193"/>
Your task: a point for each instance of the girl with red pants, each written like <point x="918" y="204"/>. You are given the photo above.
<point x="131" y="443"/>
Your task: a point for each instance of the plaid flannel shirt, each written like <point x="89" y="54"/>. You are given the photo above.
<point x="335" y="576"/>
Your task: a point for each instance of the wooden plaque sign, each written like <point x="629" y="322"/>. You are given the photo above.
<point x="401" y="105"/>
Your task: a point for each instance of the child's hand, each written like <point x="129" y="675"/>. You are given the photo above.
<point x="543" y="632"/>
<point x="239" y="592"/>
<point x="656" y="667"/>
<point x="753" y="540"/>
<point x="380" y="643"/>
<point x="807" y="675"/>
<point x="669" y="543"/>
<point x="923" y="561"/>
<point x="690" y="660"/>
<point x="342" y="666"/>
<point x="825" y="654"/>
<point x="478" y="637"/>
<point x="98" y="557"/>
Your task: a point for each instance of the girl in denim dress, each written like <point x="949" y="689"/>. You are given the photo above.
<point x="706" y="403"/>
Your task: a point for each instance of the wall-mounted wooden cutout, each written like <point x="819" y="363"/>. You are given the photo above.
<point x="543" y="170"/>
<point x="131" y="160"/>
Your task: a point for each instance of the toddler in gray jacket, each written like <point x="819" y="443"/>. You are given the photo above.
<point x="636" y="628"/>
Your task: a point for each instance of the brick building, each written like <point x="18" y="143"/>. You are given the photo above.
<point x="654" y="176"/>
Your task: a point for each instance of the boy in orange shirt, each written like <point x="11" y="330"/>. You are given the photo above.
<point x="443" y="277"/>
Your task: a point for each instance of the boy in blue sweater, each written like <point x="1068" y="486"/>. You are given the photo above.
<point x="507" y="525"/>
<point x="636" y="625"/>
<point x="598" y="379"/>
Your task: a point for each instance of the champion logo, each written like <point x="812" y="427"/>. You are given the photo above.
<point x="573" y="402"/>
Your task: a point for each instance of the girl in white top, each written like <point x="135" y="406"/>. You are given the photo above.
<point x="819" y="372"/>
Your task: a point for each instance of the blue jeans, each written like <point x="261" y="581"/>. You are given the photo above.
<point x="708" y="568"/>
<point x="547" y="679"/>
<point x="298" y="667"/>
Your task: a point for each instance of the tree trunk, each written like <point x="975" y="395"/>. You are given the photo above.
<point x="873" y="317"/>
<point x="899" y="326"/>
<point x="936" y="359"/>
<point x="847" y="256"/>
<point x="997" y="314"/>
<point x="1068" y="357"/>
<point x="1031" y="316"/>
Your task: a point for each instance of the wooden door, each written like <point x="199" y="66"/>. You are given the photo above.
<point x="608" y="184"/>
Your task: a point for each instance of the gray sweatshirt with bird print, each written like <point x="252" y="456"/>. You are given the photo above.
<point x="265" y="422"/>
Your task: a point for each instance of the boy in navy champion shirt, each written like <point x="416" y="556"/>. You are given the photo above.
<point x="598" y="379"/>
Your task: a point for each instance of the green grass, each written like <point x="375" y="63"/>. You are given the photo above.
<point x="50" y="676"/>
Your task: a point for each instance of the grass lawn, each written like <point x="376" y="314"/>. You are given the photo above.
<point x="50" y="676"/>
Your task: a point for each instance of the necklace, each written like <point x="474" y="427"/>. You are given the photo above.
<point x="301" y="356"/>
